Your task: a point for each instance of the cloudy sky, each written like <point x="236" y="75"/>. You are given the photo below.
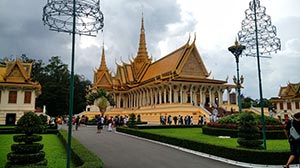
<point x="168" y="24"/>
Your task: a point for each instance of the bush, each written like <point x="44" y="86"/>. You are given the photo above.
<point x="248" y="134"/>
<point x="27" y="139"/>
<point x="244" y="155"/>
<point x="27" y="148"/>
<point x="27" y="158"/>
<point x="29" y="124"/>
<point x="27" y="153"/>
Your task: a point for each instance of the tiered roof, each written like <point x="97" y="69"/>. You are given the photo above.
<point x="292" y="90"/>
<point x="182" y="65"/>
<point x="17" y="74"/>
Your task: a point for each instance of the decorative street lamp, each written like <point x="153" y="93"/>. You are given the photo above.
<point x="259" y="37"/>
<point x="237" y="50"/>
<point x="81" y="17"/>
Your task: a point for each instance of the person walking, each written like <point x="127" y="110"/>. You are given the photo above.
<point x="99" y="124"/>
<point x="294" y="143"/>
<point x="77" y="123"/>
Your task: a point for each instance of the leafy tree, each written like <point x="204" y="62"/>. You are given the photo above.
<point x="100" y="98"/>
<point x="54" y="78"/>
<point x="80" y="86"/>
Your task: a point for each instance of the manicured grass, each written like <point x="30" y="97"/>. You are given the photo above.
<point x="54" y="149"/>
<point x="195" y="134"/>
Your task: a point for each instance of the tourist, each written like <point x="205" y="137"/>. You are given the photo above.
<point x="99" y="124"/>
<point x="204" y="120"/>
<point x="110" y="120"/>
<point x="77" y="123"/>
<point x="294" y="144"/>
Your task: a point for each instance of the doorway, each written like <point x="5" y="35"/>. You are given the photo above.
<point x="10" y="119"/>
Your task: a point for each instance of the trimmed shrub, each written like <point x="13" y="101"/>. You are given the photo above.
<point x="27" y="148"/>
<point x="244" y="154"/>
<point x="27" y="153"/>
<point x="248" y="134"/>
<point x="27" y="139"/>
<point x="29" y="124"/>
<point x="27" y="158"/>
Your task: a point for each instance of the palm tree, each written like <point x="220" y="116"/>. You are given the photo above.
<point x="100" y="98"/>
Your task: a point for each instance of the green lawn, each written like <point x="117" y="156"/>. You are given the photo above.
<point x="55" y="151"/>
<point x="196" y="135"/>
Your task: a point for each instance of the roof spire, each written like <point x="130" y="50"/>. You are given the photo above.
<point x="103" y="66"/>
<point x="142" y="54"/>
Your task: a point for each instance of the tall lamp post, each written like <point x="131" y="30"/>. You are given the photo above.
<point x="237" y="50"/>
<point x="82" y="17"/>
<point x="259" y="36"/>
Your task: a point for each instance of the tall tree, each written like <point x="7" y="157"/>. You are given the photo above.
<point x="81" y="85"/>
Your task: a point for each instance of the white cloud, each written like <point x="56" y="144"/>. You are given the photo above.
<point x="167" y="25"/>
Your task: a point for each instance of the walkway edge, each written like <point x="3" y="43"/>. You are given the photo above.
<point x="232" y="162"/>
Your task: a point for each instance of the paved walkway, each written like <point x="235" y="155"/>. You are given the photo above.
<point x="119" y="150"/>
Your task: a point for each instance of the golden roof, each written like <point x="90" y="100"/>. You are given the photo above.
<point x="184" y="65"/>
<point x="15" y="74"/>
<point x="292" y="90"/>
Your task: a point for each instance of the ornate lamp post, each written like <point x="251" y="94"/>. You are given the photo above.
<point x="259" y="37"/>
<point x="237" y="50"/>
<point x="81" y="17"/>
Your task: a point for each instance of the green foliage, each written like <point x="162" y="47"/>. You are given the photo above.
<point x="212" y="145"/>
<point x="249" y="136"/>
<point x="27" y="148"/>
<point x="29" y="124"/>
<point x="101" y="93"/>
<point x="28" y="158"/>
<point x="27" y="152"/>
<point x="234" y="119"/>
<point x="55" y="80"/>
<point x="132" y="120"/>
<point x="28" y="139"/>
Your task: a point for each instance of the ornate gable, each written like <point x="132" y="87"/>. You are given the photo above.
<point x="292" y="90"/>
<point x="102" y="77"/>
<point x="192" y="64"/>
<point x="17" y="72"/>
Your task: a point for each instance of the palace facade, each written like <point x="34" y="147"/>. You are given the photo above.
<point x="17" y="91"/>
<point x="177" y="84"/>
<point x="288" y="100"/>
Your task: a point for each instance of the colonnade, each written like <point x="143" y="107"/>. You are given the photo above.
<point x="209" y="95"/>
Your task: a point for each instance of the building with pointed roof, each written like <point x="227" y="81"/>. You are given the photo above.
<point x="177" y="84"/>
<point x="17" y="91"/>
<point x="288" y="100"/>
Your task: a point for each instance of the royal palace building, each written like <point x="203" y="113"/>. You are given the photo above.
<point x="17" y="91"/>
<point x="176" y="84"/>
<point x="288" y="100"/>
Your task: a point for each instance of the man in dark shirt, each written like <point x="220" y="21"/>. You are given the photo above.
<point x="294" y="144"/>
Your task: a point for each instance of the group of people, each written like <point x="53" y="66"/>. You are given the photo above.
<point x="187" y="120"/>
<point x="110" y="122"/>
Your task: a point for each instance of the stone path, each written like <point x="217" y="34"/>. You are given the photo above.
<point x="122" y="151"/>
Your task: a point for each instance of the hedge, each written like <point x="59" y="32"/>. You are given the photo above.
<point x="81" y="156"/>
<point x="241" y="154"/>
<point x="270" y="134"/>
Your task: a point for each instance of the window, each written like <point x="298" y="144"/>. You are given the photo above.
<point x="297" y="104"/>
<point x="289" y="106"/>
<point x="12" y="97"/>
<point x="27" y="97"/>
<point x="281" y="106"/>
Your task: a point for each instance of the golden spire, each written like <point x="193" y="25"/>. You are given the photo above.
<point x="103" y="66"/>
<point x="142" y="54"/>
